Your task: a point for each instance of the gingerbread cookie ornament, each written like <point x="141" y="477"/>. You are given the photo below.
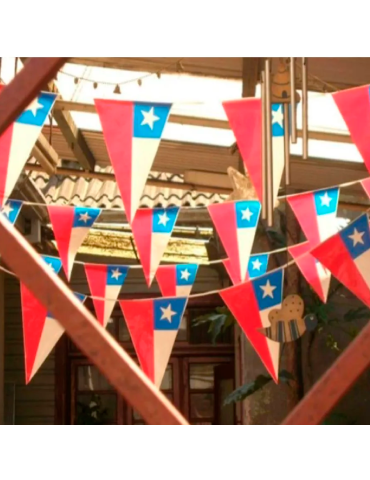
<point x="288" y="323"/>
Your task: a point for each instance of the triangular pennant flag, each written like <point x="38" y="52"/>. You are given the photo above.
<point x="257" y="266"/>
<point x="250" y="304"/>
<point x="105" y="281"/>
<point x="18" y="140"/>
<point x="11" y="210"/>
<point x="176" y="280"/>
<point x="36" y="342"/>
<point x="245" y="118"/>
<point x="354" y="106"/>
<point x="316" y="213"/>
<point x="71" y="226"/>
<point x="152" y="229"/>
<point x="366" y="185"/>
<point x="153" y="325"/>
<point x="347" y="256"/>
<point x="236" y="224"/>
<point x="132" y="132"/>
<point x="313" y="271"/>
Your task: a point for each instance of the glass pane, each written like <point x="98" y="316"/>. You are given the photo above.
<point x="136" y="416"/>
<point x="182" y="335"/>
<point x="167" y="379"/>
<point x="226" y="387"/>
<point x="202" y="405"/>
<point x="199" y="332"/>
<point x="123" y="333"/>
<point x="89" y="378"/>
<point x="111" y="327"/>
<point x="96" y="409"/>
<point x="201" y="376"/>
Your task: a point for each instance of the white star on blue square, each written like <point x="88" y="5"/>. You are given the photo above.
<point x="275" y="281"/>
<point x="164" y="219"/>
<point x="85" y="217"/>
<point x="277" y="124"/>
<point x="185" y="274"/>
<point x="247" y="213"/>
<point x="116" y="274"/>
<point x="175" y="306"/>
<point x="54" y="262"/>
<point x="326" y="201"/>
<point x="260" y="261"/>
<point x="157" y="112"/>
<point x="359" y="231"/>
<point x="46" y="101"/>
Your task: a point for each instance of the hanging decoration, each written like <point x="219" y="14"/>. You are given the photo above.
<point x="17" y="142"/>
<point x="366" y="185"/>
<point x="347" y="256"/>
<point x="152" y="229"/>
<point x="354" y="106"/>
<point x="288" y="323"/>
<point x="257" y="266"/>
<point x="312" y="270"/>
<point x="71" y="226"/>
<point x="250" y="303"/>
<point x="11" y="210"/>
<point x="316" y="213"/>
<point x="132" y="132"/>
<point x="153" y="326"/>
<point x="105" y="281"/>
<point x="39" y="335"/>
<point x="245" y="118"/>
<point x="176" y="280"/>
<point x="236" y="224"/>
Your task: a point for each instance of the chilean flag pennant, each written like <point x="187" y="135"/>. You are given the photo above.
<point x="245" y="118"/>
<point x="17" y="142"/>
<point x="257" y="266"/>
<point x="11" y="210"/>
<point x="366" y="185"/>
<point x="153" y="325"/>
<point x="71" y="226"/>
<point x="313" y="271"/>
<point x="354" y="106"/>
<point x="176" y="280"/>
<point x="250" y="304"/>
<point x="316" y="213"/>
<point x="105" y="281"/>
<point x="38" y="335"/>
<point x="236" y="224"/>
<point x="152" y="229"/>
<point x="347" y="256"/>
<point x="132" y="132"/>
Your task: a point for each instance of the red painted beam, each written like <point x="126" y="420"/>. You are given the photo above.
<point x="25" y="86"/>
<point x="114" y="363"/>
<point x="333" y="385"/>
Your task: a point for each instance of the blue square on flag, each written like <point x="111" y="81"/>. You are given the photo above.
<point x="168" y="313"/>
<point x="247" y="213"/>
<point x="185" y="274"/>
<point x="116" y="274"/>
<point x="149" y="120"/>
<point x="164" y="219"/>
<point x="356" y="236"/>
<point x="268" y="289"/>
<point x="277" y="120"/>
<point x="85" y="217"/>
<point x="38" y="110"/>
<point x="326" y="201"/>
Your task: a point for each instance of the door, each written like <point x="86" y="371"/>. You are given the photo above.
<point x="224" y="385"/>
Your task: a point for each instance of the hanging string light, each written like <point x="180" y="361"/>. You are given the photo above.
<point x="139" y="82"/>
<point x="117" y="89"/>
<point x="95" y="85"/>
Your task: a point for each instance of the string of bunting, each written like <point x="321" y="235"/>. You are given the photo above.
<point x="132" y="132"/>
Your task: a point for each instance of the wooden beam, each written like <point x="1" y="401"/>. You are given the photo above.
<point x="75" y="139"/>
<point x="92" y="339"/>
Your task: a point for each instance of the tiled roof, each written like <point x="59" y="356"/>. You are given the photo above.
<point x="105" y="193"/>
